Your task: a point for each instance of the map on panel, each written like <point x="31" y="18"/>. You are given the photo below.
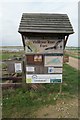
<point x="53" y="60"/>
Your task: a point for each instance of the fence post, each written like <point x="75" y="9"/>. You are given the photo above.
<point x="60" y="91"/>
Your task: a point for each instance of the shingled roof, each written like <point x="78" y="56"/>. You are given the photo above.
<point x="45" y="23"/>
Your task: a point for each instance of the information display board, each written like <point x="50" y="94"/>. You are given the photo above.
<point x="44" y="61"/>
<point x="44" y="78"/>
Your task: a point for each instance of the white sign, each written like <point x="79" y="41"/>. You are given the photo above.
<point x="54" y="61"/>
<point x="54" y="70"/>
<point x="44" y="78"/>
<point x="57" y="70"/>
<point x="18" y="67"/>
<point x="50" y="69"/>
<point x="30" y="69"/>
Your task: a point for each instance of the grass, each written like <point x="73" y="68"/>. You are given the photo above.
<point x="21" y="103"/>
<point x="70" y="80"/>
<point x="9" y="55"/>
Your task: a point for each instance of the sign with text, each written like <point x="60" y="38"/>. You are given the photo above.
<point x="30" y="69"/>
<point x="43" y="46"/>
<point x="18" y="68"/>
<point x="44" y="78"/>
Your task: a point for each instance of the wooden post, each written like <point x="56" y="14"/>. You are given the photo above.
<point x="23" y="75"/>
<point x="60" y="91"/>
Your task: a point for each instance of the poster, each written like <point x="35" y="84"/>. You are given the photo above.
<point x="54" y="70"/>
<point x="18" y="68"/>
<point x="44" y="78"/>
<point x="43" y="46"/>
<point x="53" y="61"/>
<point x="35" y="59"/>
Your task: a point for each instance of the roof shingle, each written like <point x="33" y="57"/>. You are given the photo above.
<point x="45" y="23"/>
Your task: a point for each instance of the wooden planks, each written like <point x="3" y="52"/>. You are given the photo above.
<point x="45" y="23"/>
<point x="11" y="85"/>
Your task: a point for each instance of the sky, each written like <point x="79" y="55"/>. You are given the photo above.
<point x="11" y="12"/>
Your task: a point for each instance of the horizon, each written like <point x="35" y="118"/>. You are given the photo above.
<point x="23" y="46"/>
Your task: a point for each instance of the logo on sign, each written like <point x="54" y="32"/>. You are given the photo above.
<point x="34" y="77"/>
<point x="50" y="69"/>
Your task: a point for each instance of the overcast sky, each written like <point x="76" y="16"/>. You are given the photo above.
<point x="11" y="12"/>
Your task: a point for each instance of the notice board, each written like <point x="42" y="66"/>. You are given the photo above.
<point x="43" y="46"/>
<point x="18" y="68"/>
<point x="44" y="61"/>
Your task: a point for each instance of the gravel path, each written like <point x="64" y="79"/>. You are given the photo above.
<point x="75" y="63"/>
<point x="63" y="109"/>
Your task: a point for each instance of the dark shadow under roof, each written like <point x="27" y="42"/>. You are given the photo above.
<point x="45" y="23"/>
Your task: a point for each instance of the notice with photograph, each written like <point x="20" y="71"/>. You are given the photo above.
<point x="18" y="68"/>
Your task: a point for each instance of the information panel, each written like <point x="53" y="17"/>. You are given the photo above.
<point x="44" y="61"/>
<point x="18" y="68"/>
<point x="44" y="78"/>
<point x="44" y="46"/>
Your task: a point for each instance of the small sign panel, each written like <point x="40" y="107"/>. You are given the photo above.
<point x="38" y="58"/>
<point x="18" y="68"/>
<point x="44" y="78"/>
<point x="53" y="61"/>
<point x="35" y="59"/>
<point x="30" y="69"/>
<point x="54" y="70"/>
<point x="50" y="69"/>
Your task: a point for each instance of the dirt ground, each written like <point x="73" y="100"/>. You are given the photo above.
<point x="75" y="63"/>
<point x="63" y="109"/>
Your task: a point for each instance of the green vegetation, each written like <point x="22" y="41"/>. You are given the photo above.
<point x="0" y="56"/>
<point x="9" y="55"/>
<point x="72" y="48"/>
<point x="4" y="66"/>
<point x="21" y="103"/>
<point x="77" y="57"/>
<point x="6" y="56"/>
<point x="70" y="80"/>
<point x="73" y="52"/>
